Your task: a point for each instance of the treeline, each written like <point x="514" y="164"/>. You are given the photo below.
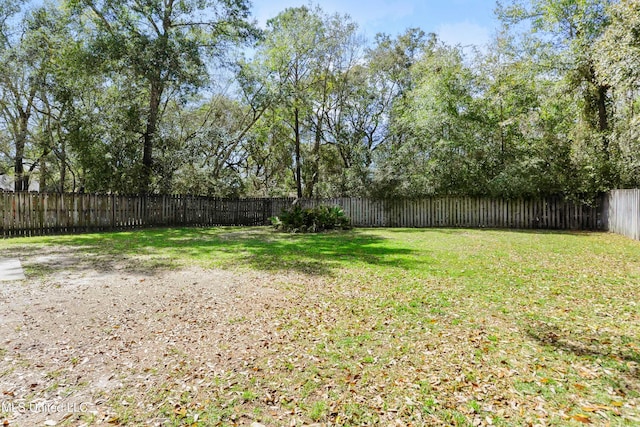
<point x="164" y="96"/>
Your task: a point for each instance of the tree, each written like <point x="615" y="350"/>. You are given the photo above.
<point x="338" y="55"/>
<point x="23" y="68"/>
<point x="617" y="63"/>
<point x="203" y="150"/>
<point x="522" y="128"/>
<point x="64" y="98"/>
<point x="162" y="46"/>
<point x="441" y="156"/>
<point x="561" y="37"/>
<point x="392" y="62"/>
<point x="300" y="62"/>
<point x="289" y="56"/>
<point x="617" y="50"/>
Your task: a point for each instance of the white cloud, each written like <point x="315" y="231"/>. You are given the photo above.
<point x="464" y="33"/>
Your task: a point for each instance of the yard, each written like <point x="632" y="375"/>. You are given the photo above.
<point x="234" y="326"/>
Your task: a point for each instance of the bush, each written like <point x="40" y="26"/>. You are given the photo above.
<point x="320" y="218"/>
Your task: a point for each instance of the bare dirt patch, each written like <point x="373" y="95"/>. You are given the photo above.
<point x="91" y="346"/>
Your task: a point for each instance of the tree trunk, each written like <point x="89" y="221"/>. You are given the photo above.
<point x="21" y="180"/>
<point x="298" y="166"/>
<point x="63" y="164"/>
<point x="43" y="175"/>
<point x="598" y="112"/>
<point x="19" y="174"/>
<point x="316" y="160"/>
<point x="603" y="119"/>
<point x="155" y="96"/>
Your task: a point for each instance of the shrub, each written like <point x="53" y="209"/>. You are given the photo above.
<point x="320" y="218"/>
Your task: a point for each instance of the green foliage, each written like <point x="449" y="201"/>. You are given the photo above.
<point x="159" y="51"/>
<point x="301" y="78"/>
<point x="311" y="220"/>
<point x="120" y="96"/>
<point x="559" y="42"/>
<point x="617" y="63"/>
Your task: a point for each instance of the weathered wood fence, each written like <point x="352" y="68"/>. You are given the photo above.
<point x="27" y="214"/>
<point x="472" y="212"/>
<point x="624" y="213"/>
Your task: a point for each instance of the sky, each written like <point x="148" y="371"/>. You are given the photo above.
<point x="464" y="22"/>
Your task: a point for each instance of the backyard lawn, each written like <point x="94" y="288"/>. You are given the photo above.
<point x="241" y="326"/>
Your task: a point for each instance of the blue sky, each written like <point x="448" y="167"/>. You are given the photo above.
<point x="464" y="22"/>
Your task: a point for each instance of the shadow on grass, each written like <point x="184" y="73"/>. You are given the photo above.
<point x="227" y="247"/>
<point x="619" y="349"/>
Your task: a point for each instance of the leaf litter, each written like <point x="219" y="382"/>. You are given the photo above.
<point x="201" y="347"/>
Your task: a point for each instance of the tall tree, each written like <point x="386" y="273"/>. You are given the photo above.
<point x="32" y="51"/>
<point x="303" y="56"/>
<point x="618" y="66"/>
<point x="391" y="62"/>
<point x="561" y="37"/>
<point x="66" y="84"/>
<point x="526" y="149"/>
<point x="443" y="114"/>
<point x="163" y="45"/>
<point x="338" y="54"/>
<point x="290" y="57"/>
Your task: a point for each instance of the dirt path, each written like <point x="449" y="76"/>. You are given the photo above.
<point x="83" y="344"/>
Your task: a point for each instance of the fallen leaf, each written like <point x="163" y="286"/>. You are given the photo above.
<point x="596" y="408"/>
<point x="581" y="418"/>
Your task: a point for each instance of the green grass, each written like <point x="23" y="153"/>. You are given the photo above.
<point x="425" y="326"/>
<point x="227" y="247"/>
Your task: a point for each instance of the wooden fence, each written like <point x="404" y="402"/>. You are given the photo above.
<point x="27" y="214"/>
<point x="624" y="213"/>
<point x="471" y="212"/>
